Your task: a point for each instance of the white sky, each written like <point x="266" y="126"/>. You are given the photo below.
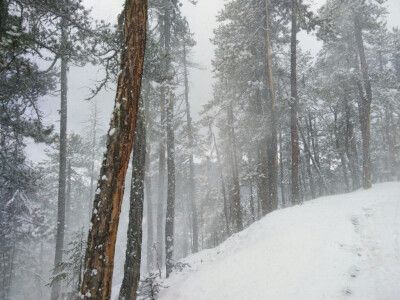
<point x="202" y="22"/>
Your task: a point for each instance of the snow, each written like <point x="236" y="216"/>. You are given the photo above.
<point x="337" y="247"/>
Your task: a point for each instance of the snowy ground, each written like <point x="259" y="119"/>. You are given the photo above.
<point x="338" y="247"/>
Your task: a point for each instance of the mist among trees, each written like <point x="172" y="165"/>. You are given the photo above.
<point x="113" y="211"/>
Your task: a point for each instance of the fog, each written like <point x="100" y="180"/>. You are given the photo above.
<point x="241" y="113"/>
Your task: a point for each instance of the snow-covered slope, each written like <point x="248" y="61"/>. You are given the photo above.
<point x="338" y="247"/>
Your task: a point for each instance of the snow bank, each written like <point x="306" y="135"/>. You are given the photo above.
<point x="337" y="247"/>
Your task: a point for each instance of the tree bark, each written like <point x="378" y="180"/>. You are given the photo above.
<point x="133" y="252"/>
<point x="161" y="184"/>
<point x="272" y="140"/>
<point x="170" y="214"/>
<point x="68" y="200"/>
<point x="226" y="214"/>
<point x="62" y="174"/>
<point x="309" y="170"/>
<point x="282" y="170"/>
<point x="170" y="218"/>
<point x="148" y="186"/>
<point x="99" y="259"/>
<point x="365" y="105"/>
<point x="294" y="108"/>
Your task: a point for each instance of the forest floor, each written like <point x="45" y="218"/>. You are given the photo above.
<point x="337" y="247"/>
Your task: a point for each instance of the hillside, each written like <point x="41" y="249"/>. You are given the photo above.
<point x="337" y="247"/>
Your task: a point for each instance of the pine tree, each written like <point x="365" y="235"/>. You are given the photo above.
<point x="107" y="204"/>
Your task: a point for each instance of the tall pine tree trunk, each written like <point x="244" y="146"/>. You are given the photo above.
<point x="282" y="183"/>
<point x="365" y="105"/>
<point x="294" y="108"/>
<point x="62" y="174"/>
<point x="161" y="184"/>
<point x="133" y="256"/>
<point x="226" y="214"/>
<point x="309" y="170"/>
<point x="192" y="187"/>
<point x="237" y="214"/>
<point x="170" y="216"/>
<point x="148" y="185"/>
<point x="99" y="259"/>
<point x="272" y="140"/>
<point x="351" y="148"/>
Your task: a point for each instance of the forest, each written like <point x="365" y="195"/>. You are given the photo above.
<point x="110" y="210"/>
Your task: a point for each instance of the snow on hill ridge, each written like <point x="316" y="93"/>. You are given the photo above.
<point x="336" y="247"/>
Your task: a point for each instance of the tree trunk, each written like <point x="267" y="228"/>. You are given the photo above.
<point x="315" y="152"/>
<point x="309" y="170"/>
<point x="169" y="222"/>
<point x="282" y="170"/>
<point x="307" y="149"/>
<point x="148" y="188"/>
<point x="62" y="174"/>
<point x="237" y="214"/>
<point x="294" y="108"/>
<point x="226" y="214"/>
<point x="365" y="105"/>
<point x="272" y="140"/>
<point x="133" y="252"/>
<point x="99" y="259"/>
<point x="93" y="153"/>
<point x="161" y="185"/>
<point x="341" y="155"/>
<point x="170" y="214"/>
<point x="389" y="129"/>
<point x="68" y="201"/>
<point x="351" y="148"/>
<point x="252" y="207"/>
<point x="192" y="187"/>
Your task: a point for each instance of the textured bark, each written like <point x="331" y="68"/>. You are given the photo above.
<point x="133" y="256"/>
<point x="99" y="259"/>
<point x="294" y="108"/>
<point x="272" y="140"/>
<point x="192" y="187"/>
<point x="62" y="174"/>
<point x="365" y="105"/>
<point x="169" y="221"/>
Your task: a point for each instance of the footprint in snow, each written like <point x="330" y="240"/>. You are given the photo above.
<point x="353" y="272"/>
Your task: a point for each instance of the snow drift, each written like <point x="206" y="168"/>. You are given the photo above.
<point x="337" y="247"/>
